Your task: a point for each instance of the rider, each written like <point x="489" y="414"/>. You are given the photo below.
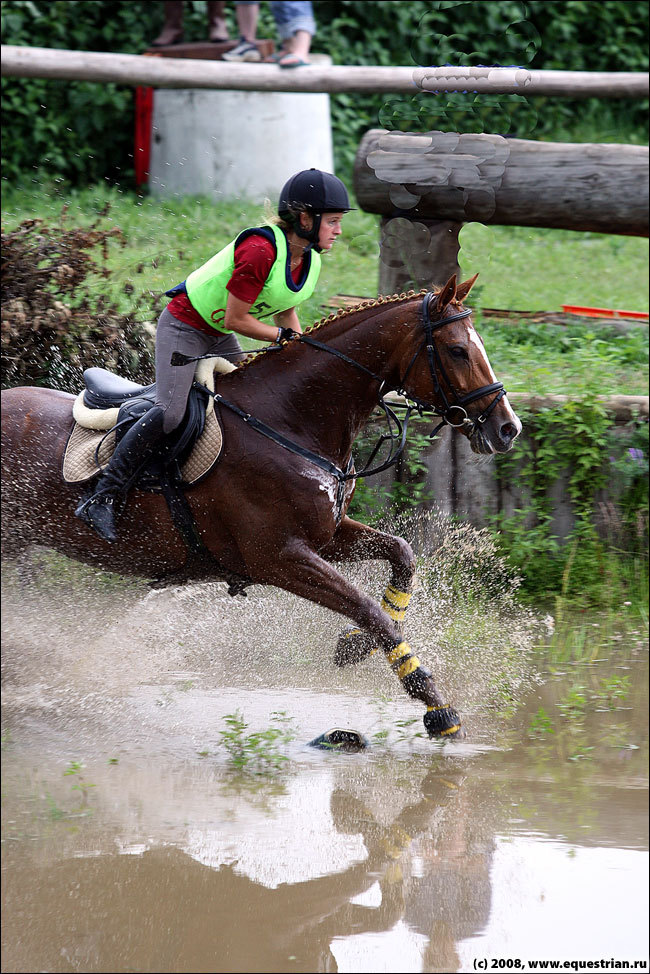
<point x="263" y="274"/>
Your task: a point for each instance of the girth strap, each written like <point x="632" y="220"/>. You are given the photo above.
<point x="200" y="560"/>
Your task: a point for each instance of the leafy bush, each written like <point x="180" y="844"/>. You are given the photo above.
<point x="81" y="132"/>
<point x="575" y="443"/>
<point x="51" y="328"/>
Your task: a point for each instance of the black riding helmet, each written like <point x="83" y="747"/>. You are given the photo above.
<point x="315" y="192"/>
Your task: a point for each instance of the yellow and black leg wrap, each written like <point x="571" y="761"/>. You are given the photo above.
<point x="442" y="722"/>
<point x="408" y="668"/>
<point x="395" y="603"/>
<point x="354" y="645"/>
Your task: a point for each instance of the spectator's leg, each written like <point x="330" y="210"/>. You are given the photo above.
<point x="172" y="32"/>
<point x="247" y="14"/>
<point x="296" y="26"/>
<point x="300" y="44"/>
<point x="246" y="49"/>
<point x="217" y="29"/>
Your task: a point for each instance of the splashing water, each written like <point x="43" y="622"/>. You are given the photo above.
<point x="80" y="639"/>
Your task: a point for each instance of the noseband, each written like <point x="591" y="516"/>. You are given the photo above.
<point x="453" y="412"/>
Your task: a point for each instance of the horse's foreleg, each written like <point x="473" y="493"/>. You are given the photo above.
<point x="354" y="541"/>
<point x="358" y="542"/>
<point x="298" y="569"/>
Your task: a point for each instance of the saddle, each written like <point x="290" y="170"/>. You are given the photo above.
<point x="110" y="404"/>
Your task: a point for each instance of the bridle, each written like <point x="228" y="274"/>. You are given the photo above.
<point x="440" y="378"/>
<point x="451" y="413"/>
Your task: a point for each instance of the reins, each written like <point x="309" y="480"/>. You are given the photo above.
<point x="397" y="428"/>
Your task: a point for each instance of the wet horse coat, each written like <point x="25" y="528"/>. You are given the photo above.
<point x="267" y="515"/>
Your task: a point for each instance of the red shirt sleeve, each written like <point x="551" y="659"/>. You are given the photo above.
<point x="254" y="258"/>
<point x="181" y="308"/>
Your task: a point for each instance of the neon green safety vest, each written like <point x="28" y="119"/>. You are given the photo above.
<point x="206" y="286"/>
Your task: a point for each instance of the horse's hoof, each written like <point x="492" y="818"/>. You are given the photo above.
<point x="353" y="646"/>
<point x="444" y="723"/>
<point x="338" y="739"/>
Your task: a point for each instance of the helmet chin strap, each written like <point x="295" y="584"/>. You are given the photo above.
<point x="312" y="234"/>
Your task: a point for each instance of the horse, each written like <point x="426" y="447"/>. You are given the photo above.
<point x="273" y="509"/>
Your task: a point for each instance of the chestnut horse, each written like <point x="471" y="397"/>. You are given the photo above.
<point x="273" y="514"/>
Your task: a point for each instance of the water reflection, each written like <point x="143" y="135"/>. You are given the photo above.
<point x="381" y="864"/>
<point x="531" y="836"/>
<point x="182" y="907"/>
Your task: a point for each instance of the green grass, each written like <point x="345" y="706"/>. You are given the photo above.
<point x="530" y="269"/>
<point x="520" y="269"/>
<point x="576" y="360"/>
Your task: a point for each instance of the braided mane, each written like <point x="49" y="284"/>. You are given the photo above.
<point x="339" y="315"/>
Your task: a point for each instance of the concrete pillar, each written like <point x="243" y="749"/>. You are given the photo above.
<point x="228" y="144"/>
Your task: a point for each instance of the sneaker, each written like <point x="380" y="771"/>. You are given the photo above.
<point x="245" y="51"/>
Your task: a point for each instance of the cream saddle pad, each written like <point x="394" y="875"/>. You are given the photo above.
<point x="92" y="440"/>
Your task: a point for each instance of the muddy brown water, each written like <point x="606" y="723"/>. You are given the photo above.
<point x="131" y="844"/>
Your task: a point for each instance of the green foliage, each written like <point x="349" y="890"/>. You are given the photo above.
<point x="75" y="769"/>
<point x="258" y="753"/>
<point x="409" y="490"/>
<point x="536" y="35"/>
<point x="612" y="690"/>
<point x="572" y="444"/>
<point x="81" y="132"/>
<point x="570" y="438"/>
<point x="631" y="468"/>
<point x="541" y="724"/>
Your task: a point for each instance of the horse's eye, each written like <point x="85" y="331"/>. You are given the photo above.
<point x="457" y="351"/>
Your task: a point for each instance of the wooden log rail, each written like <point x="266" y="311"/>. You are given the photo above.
<point x="166" y="72"/>
<point x="522" y="81"/>
<point x="490" y="179"/>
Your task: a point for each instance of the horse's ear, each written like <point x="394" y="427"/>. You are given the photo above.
<point x="463" y="289"/>
<point x="446" y="294"/>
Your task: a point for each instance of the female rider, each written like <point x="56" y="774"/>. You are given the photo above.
<point x="263" y="274"/>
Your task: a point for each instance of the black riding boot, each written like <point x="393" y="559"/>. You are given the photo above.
<point x="134" y="450"/>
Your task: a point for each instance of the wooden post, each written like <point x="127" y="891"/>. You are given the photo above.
<point x="416" y="254"/>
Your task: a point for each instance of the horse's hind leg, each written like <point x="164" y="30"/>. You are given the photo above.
<point x="358" y="542"/>
<point x="298" y="569"/>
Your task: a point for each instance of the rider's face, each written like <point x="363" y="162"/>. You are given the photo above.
<point x="330" y="229"/>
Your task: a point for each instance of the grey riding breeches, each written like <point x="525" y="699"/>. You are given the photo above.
<point x="173" y="382"/>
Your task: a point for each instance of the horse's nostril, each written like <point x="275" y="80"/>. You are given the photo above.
<point x="508" y="431"/>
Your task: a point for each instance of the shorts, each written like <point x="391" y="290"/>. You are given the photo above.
<point x="291" y="16"/>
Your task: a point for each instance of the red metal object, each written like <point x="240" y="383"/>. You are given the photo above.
<point x="575" y="309"/>
<point x="142" y="140"/>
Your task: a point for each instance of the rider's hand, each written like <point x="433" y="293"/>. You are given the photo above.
<point x="285" y="335"/>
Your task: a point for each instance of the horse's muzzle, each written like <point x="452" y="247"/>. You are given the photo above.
<point x="494" y="437"/>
